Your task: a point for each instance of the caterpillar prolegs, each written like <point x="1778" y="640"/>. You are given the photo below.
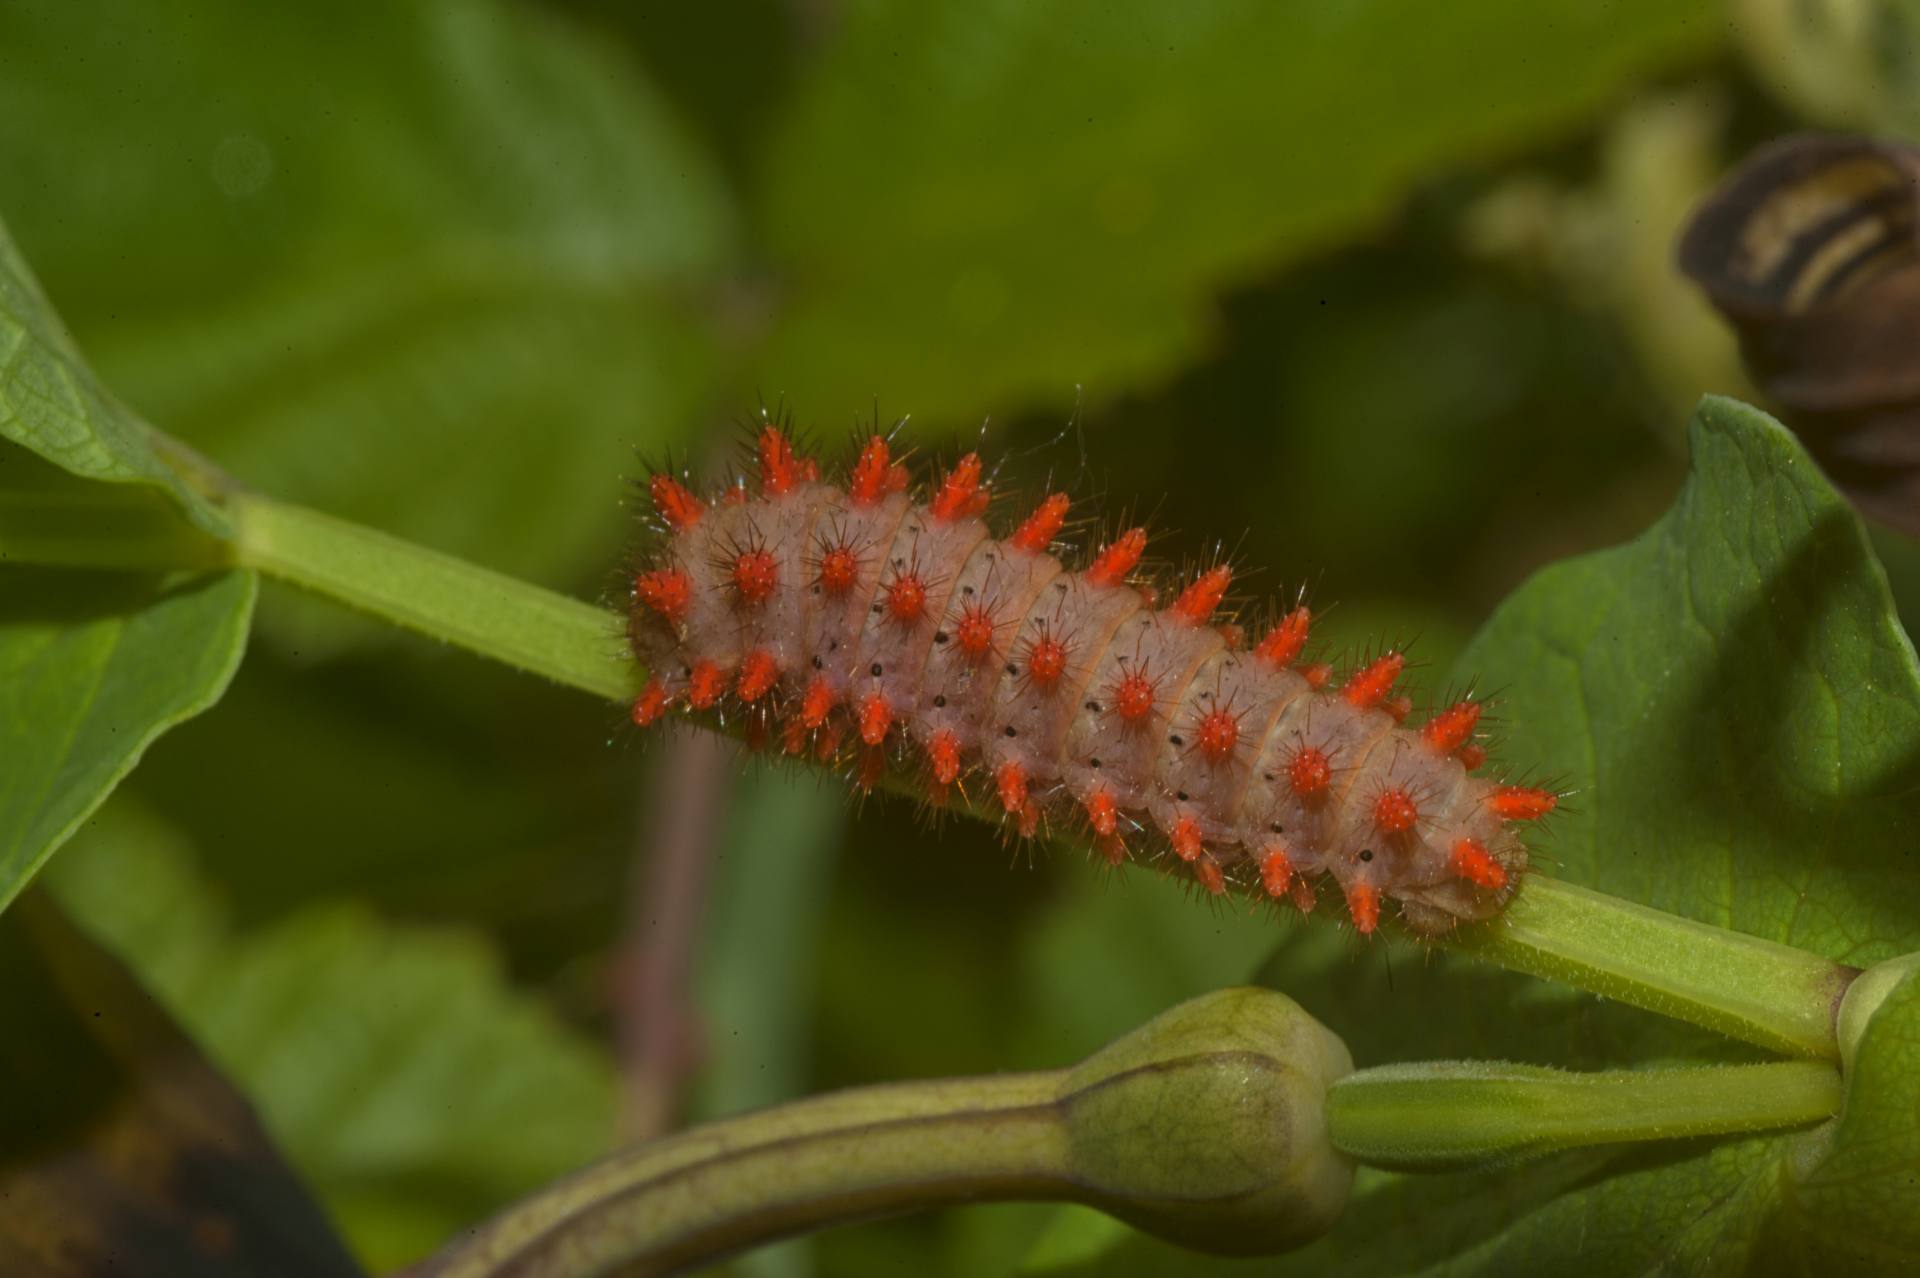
<point x="856" y="622"/>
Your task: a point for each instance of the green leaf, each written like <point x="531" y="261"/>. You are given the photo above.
<point x="51" y="403"/>
<point x="1739" y="710"/>
<point x="121" y="1150"/>
<point x="978" y="205"/>
<point x="93" y="667"/>
<point x="1735" y="702"/>
<point x="434" y="266"/>
<point x="415" y="1090"/>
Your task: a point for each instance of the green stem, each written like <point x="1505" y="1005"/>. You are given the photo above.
<point x="719" y="1189"/>
<point x="1206" y="1125"/>
<point x="522" y="625"/>
<point x="1448" y="1115"/>
<point x="1761" y="992"/>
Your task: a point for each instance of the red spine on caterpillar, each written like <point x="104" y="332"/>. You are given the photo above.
<point x="1218" y="733"/>
<point x="943" y="752"/>
<point x="907" y="598"/>
<point x="667" y="591"/>
<point x="1395" y="811"/>
<point x="1102" y="814"/>
<point x="755" y="574"/>
<point x="1369" y="688"/>
<point x="780" y="467"/>
<point x="1133" y="696"/>
<point x="1042" y="526"/>
<point x="1520" y="803"/>
<point x="1111" y="566"/>
<point x="1197" y="602"/>
<point x="846" y="623"/>
<point x="680" y="508"/>
<point x="1363" y="902"/>
<point x="1046" y="659"/>
<point x="1452" y="728"/>
<point x="1283" y="644"/>
<point x="1309" y="773"/>
<point x="960" y="493"/>
<point x="758" y="670"/>
<point x="650" y="704"/>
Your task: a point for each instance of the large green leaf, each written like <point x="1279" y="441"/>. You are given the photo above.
<point x="1735" y="702"/>
<point x="412" y="1087"/>
<point x="433" y="265"/>
<point x="978" y="204"/>
<point x="121" y="1150"/>
<point x="1740" y="711"/>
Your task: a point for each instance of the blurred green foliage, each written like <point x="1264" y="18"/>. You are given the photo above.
<point x="1321" y="277"/>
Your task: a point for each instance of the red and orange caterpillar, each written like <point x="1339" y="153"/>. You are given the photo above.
<point x="853" y="611"/>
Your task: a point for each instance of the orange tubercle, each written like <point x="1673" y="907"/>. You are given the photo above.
<point x="667" y="591"/>
<point x="872" y="475"/>
<point x="1186" y="838"/>
<point x="780" y="467"/>
<point x="1370" y="686"/>
<point x="1309" y="773"/>
<point x="1010" y="779"/>
<point x="755" y="576"/>
<point x="1276" y="870"/>
<point x="1285" y="642"/>
<point x="1521" y="803"/>
<point x="1452" y="727"/>
<point x="1219" y="732"/>
<point x="839" y="569"/>
<point x="1318" y="675"/>
<point x="876" y="716"/>
<point x="1395" y="812"/>
<point x="1208" y="871"/>
<point x="758" y="671"/>
<point x="1472" y="861"/>
<point x="906" y="598"/>
<point x="1111" y="566"/>
<point x="1363" y="902"/>
<point x="1470" y="756"/>
<point x="650" y="704"/>
<point x="960" y="493"/>
<point x="1197" y="602"/>
<point x="1133" y="696"/>
<point x="1101" y="812"/>
<point x="817" y="702"/>
<point x="705" y="685"/>
<point x="1042" y="526"/>
<point x="974" y="633"/>
<point x="680" y="508"/>
<point x="1046" y="660"/>
<point x="943" y="751"/>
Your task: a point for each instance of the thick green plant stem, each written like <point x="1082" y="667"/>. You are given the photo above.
<point x="497" y="616"/>
<point x="1758" y="991"/>
<point x="1449" y="1115"/>
<point x="1206" y="1125"/>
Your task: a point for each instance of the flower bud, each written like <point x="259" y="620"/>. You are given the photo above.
<point x="1207" y="1125"/>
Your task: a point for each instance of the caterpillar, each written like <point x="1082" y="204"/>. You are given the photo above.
<point x="857" y="623"/>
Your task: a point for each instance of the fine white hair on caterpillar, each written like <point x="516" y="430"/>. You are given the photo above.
<point x="857" y="625"/>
